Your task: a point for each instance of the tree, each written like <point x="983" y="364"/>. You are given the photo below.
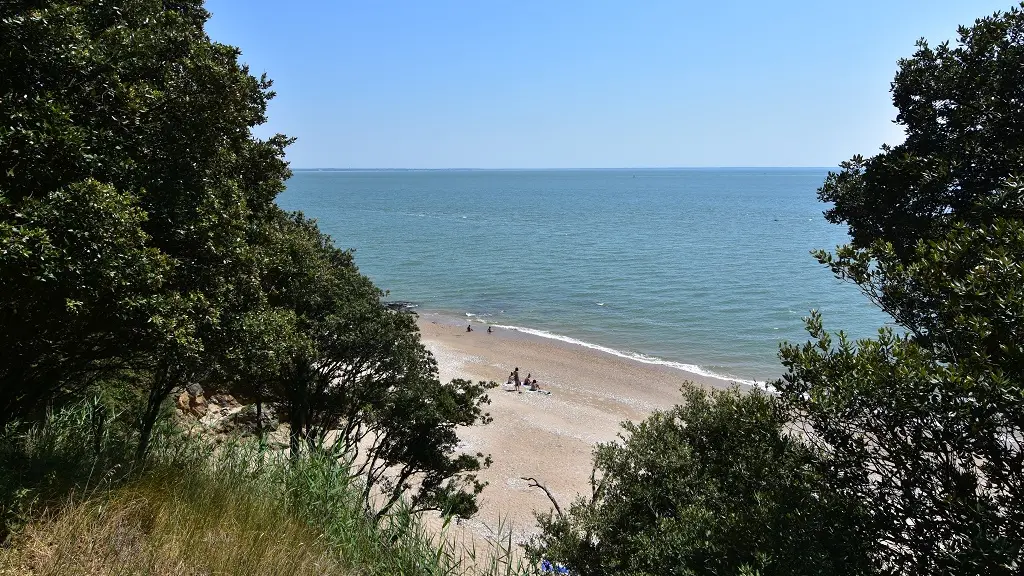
<point x="926" y="428"/>
<point x="717" y="485"/>
<point x="919" y="434"/>
<point x="367" y="378"/>
<point x="138" y="231"/>
<point x="961" y="110"/>
<point x="133" y="96"/>
<point x="266" y="342"/>
<point x="79" y="288"/>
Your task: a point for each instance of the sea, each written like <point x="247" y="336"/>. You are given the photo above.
<point x="706" y="270"/>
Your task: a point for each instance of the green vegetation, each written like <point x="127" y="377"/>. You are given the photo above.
<point x="142" y="253"/>
<point x="895" y="455"/>
<point x="201" y="508"/>
<point x="714" y="486"/>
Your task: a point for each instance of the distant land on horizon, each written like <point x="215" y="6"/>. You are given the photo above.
<point x="622" y="168"/>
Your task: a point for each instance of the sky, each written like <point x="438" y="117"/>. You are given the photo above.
<point x="583" y="84"/>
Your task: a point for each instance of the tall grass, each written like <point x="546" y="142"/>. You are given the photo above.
<point x="76" y="504"/>
<point x="153" y="527"/>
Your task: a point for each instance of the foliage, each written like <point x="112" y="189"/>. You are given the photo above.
<point x="931" y="450"/>
<point x="366" y="374"/>
<point x="78" y="285"/>
<point x="961" y="109"/>
<point x="717" y="485"/>
<point x="129" y="111"/>
<point x="926" y="428"/>
<point x="196" y="509"/>
<point x="909" y="458"/>
<point x="139" y="234"/>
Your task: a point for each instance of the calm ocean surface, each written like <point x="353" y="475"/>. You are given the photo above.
<point x="705" y="268"/>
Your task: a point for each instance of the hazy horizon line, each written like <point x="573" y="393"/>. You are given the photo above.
<point x="468" y="169"/>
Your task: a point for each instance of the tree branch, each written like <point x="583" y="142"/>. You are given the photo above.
<point x="535" y="484"/>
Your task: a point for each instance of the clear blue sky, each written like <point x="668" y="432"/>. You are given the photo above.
<point x="537" y="84"/>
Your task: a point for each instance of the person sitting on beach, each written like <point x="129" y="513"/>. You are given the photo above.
<point x="511" y="376"/>
<point x="469" y="328"/>
<point x="489" y="330"/>
<point x="533" y="386"/>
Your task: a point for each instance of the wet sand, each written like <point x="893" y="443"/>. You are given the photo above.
<point x="547" y="437"/>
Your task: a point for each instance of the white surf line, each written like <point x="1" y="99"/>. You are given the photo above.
<point x="642" y="358"/>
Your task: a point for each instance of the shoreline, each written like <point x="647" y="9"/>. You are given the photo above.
<point x="455" y="319"/>
<point x="547" y="436"/>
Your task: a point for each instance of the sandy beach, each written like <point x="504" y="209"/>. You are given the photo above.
<point x="549" y="437"/>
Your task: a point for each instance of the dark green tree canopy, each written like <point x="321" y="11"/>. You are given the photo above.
<point x="133" y="97"/>
<point x="366" y="376"/>
<point x="910" y="457"/>
<point x="138" y="231"/>
<point x="79" y="286"/>
<point x="926" y="428"/>
<point x="962" y="107"/>
<point x="717" y="485"/>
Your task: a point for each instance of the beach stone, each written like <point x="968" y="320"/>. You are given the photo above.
<point x="244" y="421"/>
<point x="226" y="400"/>
<point x="198" y="405"/>
<point x="400" y="305"/>
<point x="183" y="401"/>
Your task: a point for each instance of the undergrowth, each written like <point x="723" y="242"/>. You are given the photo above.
<point x="73" y="502"/>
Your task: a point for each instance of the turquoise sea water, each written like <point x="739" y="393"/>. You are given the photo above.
<point x="705" y="268"/>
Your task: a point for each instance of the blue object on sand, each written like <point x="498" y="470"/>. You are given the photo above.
<point x="547" y="566"/>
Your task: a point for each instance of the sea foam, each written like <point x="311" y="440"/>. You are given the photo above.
<point x="643" y="358"/>
<point x="710" y="263"/>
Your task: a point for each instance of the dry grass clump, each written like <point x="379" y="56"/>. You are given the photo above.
<point x="74" y="503"/>
<point x="158" y="529"/>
